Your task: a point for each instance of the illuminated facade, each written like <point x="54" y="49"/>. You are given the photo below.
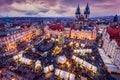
<point x="61" y="39"/>
<point x="11" y="40"/>
<point x="79" y="34"/>
<point x="79" y="30"/>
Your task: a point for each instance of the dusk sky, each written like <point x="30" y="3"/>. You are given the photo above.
<point x="57" y="8"/>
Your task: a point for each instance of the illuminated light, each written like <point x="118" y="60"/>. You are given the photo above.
<point x="68" y="64"/>
<point x="64" y="74"/>
<point x="0" y="71"/>
<point x="13" y="79"/>
<point x="48" y="75"/>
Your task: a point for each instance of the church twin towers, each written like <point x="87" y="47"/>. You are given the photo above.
<point x="82" y="19"/>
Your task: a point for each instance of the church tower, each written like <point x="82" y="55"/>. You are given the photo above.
<point x="77" y="13"/>
<point x="115" y="20"/>
<point x="79" y="18"/>
<point x="86" y="15"/>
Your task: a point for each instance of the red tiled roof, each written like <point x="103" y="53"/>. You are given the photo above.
<point x="56" y="26"/>
<point x="114" y="33"/>
<point x="118" y="43"/>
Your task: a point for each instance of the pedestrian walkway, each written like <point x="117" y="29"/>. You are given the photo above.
<point x="108" y="63"/>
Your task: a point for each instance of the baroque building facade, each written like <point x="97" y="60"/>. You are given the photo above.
<point x="79" y="28"/>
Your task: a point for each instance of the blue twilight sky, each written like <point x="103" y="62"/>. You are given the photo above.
<point x="57" y="8"/>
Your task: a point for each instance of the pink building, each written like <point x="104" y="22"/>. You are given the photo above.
<point x="79" y="34"/>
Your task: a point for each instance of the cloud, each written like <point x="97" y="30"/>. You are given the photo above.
<point x="57" y="7"/>
<point x="44" y="10"/>
<point x="31" y="13"/>
<point x="60" y="11"/>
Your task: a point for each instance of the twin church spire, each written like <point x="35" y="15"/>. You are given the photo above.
<point x="78" y="10"/>
<point x="82" y="19"/>
<point x="86" y="11"/>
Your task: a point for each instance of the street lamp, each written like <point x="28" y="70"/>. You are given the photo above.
<point x="13" y="79"/>
<point x="0" y="72"/>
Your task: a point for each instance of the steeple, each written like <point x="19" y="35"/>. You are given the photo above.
<point x="115" y="18"/>
<point x="87" y="9"/>
<point x="78" y="10"/>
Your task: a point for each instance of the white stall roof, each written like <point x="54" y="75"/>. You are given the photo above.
<point x="38" y="61"/>
<point x="57" y="72"/>
<point x="94" y="68"/>
<point x="88" y="65"/>
<point x="79" y="60"/>
<point x="73" y="57"/>
<point x="27" y="62"/>
<point x="85" y="64"/>
<point x="75" y="51"/>
<point x="51" y="67"/>
<point x="83" y="50"/>
<point x="21" y="52"/>
<point x="17" y="56"/>
<point x="46" y="70"/>
<point x="72" y="77"/>
<point x="64" y="74"/>
<point x="37" y="64"/>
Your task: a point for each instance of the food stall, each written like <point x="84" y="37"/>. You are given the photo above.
<point x="64" y="74"/>
<point x="48" y="69"/>
<point x="38" y="66"/>
<point x="85" y="64"/>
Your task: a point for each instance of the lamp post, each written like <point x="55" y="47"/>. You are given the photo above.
<point x="1" y="74"/>
<point x="13" y="79"/>
<point x="93" y="58"/>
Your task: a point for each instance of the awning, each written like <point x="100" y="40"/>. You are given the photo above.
<point x="64" y="74"/>
<point x="48" y="69"/>
<point x="84" y="63"/>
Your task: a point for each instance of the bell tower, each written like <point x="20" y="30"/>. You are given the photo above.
<point x="86" y="15"/>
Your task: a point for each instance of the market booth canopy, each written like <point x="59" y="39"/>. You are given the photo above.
<point x="85" y="64"/>
<point x="64" y="74"/>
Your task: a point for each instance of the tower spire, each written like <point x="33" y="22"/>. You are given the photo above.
<point x="87" y="9"/>
<point x="115" y="18"/>
<point x="78" y="10"/>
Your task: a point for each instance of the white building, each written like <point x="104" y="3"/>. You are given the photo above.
<point x="106" y="40"/>
<point x="117" y="59"/>
<point x="111" y="48"/>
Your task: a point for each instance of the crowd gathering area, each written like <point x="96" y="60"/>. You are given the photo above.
<point x="71" y="60"/>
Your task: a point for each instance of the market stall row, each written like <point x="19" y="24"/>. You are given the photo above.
<point x="85" y="64"/>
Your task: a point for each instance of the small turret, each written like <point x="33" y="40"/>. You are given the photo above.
<point x="115" y="18"/>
